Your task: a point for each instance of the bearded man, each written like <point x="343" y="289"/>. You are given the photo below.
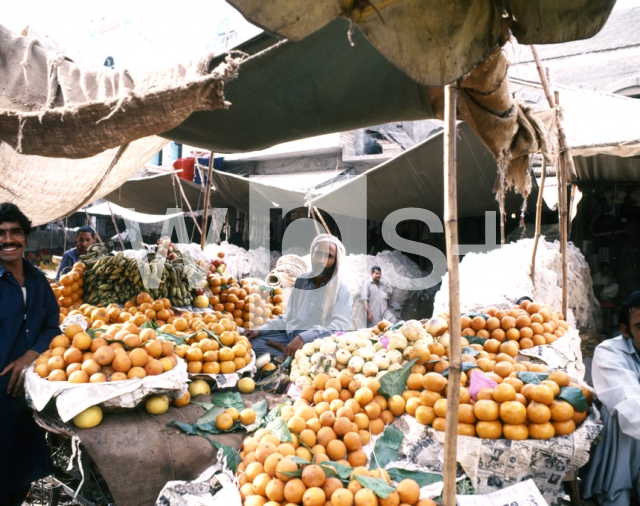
<point x="320" y="305"/>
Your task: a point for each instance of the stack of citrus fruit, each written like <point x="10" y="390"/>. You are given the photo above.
<point x="513" y="409"/>
<point x="75" y="357"/>
<point x="69" y="290"/>
<point x="268" y="474"/>
<point x="247" y="303"/>
<point x="227" y="353"/>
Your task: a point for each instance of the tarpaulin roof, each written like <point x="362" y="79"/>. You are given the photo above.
<point x="50" y="106"/>
<point x="439" y="41"/>
<point x="412" y="179"/>
<point x="302" y="89"/>
<point x="156" y="194"/>
<point x="106" y="208"/>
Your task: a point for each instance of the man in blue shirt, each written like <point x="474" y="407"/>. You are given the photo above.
<point x="29" y="317"/>
<point x="84" y="238"/>
<point x="320" y="305"/>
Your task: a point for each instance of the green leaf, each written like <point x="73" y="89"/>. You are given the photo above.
<point x="206" y="405"/>
<point x="184" y="427"/>
<point x="278" y="428"/>
<point x="274" y="413"/>
<point x="465" y="366"/>
<point x="165" y="336"/>
<point x="377" y="485"/>
<point x="233" y="459"/>
<point x="396" y="325"/>
<point x="295" y="474"/>
<point x="387" y="447"/>
<point x="300" y="461"/>
<point x="532" y="377"/>
<point x="468" y="350"/>
<point x="343" y="472"/>
<point x="260" y="409"/>
<point x="395" y="382"/>
<point x="93" y="333"/>
<point x="421" y="478"/>
<point x="229" y="400"/>
<point x="149" y="324"/>
<point x="575" y="397"/>
<point x="476" y="340"/>
<point x="210" y="415"/>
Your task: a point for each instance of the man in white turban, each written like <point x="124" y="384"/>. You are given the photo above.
<point x="320" y="304"/>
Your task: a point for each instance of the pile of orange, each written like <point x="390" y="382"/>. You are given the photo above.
<point x="244" y="302"/>
<point x="264" y="475"/>
<point x="513" y="409"/>
<point x="68" y="290"/>
<point x="229" y="353"/>
<point x="529" y="324"/>
<point x="77" y="358"/>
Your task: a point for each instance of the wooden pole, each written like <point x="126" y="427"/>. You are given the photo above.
<point x="451" y="231"/>
<point x="538" y="222"/>
<point x="562" y="207"/>
<point x="205" y="214"/>
<point x="193" y="217"/>
<point x="562" y="137"/>
<point x="113" y="219"/>
<point x="91" y="225"/>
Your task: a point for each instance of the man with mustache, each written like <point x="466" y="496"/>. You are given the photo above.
<point x="84" y="238"/>
<point x="28" y="322"/>
<point x="320" y="305"/>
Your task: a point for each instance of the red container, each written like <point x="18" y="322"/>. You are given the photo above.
<point x="188" y="167"/>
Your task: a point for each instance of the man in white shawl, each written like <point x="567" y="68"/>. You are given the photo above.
<point x="320" y="305"/>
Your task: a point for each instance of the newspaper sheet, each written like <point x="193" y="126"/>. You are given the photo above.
<point x="214" y="487"/>
<point x="524" y="493"/>
<point x="229" y="380"/>
<point x="73" y="398"/>
<point x="564" y="353"/>
<point x="495" y="464"/>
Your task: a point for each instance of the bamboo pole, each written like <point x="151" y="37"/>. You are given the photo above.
<point x="451" y="230"/>
<point x="321" y="220"/>
<point x="565" y="150"/>
<point x="538" y="222"/>
<point x="205" y="214"/>
<point x="115" y="225"/>
<point x="193" y="217"/>
<point x="91" y="225"/>
<point x="562" y="207"/>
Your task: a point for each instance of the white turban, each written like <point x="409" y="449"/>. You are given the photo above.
<point x="331" y="292"/>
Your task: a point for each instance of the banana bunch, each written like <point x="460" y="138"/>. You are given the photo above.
<point x="115" y="278"/>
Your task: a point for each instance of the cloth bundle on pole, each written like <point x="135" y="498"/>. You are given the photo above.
<point x="286" y="271"/>
<point x="50" y="106"/>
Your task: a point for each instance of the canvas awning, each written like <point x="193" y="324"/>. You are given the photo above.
<point x="412" y="179"/>
<point x="439" y="41"/>
<point x="156" y="194"/>
<point x="105" y="209"/>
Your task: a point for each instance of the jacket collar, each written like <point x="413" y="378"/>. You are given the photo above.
<point x="26" y="265"/>
<point x="623" y="344"/>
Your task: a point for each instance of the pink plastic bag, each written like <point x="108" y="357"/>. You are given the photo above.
<point x="478" y="381"/>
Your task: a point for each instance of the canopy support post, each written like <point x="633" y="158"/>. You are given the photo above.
<point x="205" y="213"/>
<point x="193" y="217"/>
<point x="451" y="231"/>
<point x="538" y="222"/>
<point x="92" y="227"/>
<point x="115" y="225"/>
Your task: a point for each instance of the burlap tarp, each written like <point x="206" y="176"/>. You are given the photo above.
<point x="50" y="106"/>
<point x="435" y="42"/>
<point x="136" y="453"/>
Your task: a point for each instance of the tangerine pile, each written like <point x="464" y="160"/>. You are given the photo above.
<point x="69" y="290"/>
<point x="244" y="302"/>
<point x="513" y="410"/>
<point x="77" y="358"/>
<point x="229" y="353"/>
<point x="265" y="478"/>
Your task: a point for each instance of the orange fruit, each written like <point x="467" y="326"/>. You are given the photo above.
<point x="409" y="491"/>
<point x="489" y="429"/>
<point x="486" y="410"/>
<point x="538" y="412"/>
<point x="541" y="430"/>
<point x="513" y="413"/>
<point x="542" y="394"/>
<point x="285" y="465"/>
<point x="342" y="497"/>
<point x="313" y="476"/>
<point x="365" y="497"/>
<point x="564" y="428"/>
<point x="314" y="496"/>
<point x="561" y="411"/>
<point x="515" y="432"/>
<point x="503" y="393"/>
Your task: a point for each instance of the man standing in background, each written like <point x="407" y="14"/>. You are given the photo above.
<point x="85" y="237"/>
<point x="375" y="295"/>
